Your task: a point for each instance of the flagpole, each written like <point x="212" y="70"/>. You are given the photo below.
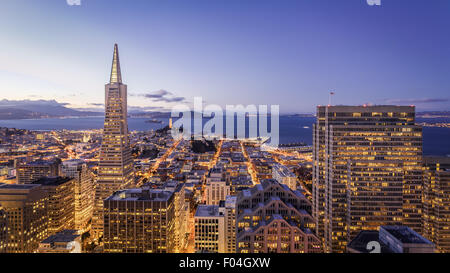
<point x="330" y="97"/>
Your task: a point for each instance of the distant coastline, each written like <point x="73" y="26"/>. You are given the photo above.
<point x="293" y="129"/>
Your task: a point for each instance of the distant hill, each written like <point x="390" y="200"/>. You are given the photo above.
<point x="433" y="114"/>
<point x="26" y="109"/>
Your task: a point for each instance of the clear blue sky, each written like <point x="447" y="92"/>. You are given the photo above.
<point x="290" y="53"/>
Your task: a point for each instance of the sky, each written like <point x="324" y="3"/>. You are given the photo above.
<point x="291" y="53"/>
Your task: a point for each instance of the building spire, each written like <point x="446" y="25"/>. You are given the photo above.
<point x="116" y="75"/>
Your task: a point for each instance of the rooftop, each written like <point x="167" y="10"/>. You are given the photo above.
<point x="65" y="236"/>
<point x="52" y="180"/>
<point x="143" y="194"/>
<point x="405" y="235"/>
<point x="207" y="211"/>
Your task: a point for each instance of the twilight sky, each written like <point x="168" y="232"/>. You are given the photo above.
<point x="286" y="52"/>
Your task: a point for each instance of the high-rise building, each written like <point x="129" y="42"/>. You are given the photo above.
<point x="139" y="221"/>
<point x="28" y="172"/>
<point x="181" y="214"/>
<point x="271" y="218"/>
<point x="115" y="168"/>
<point x="26" y="210"/>
<point x="436" y="216"/>
<point x="217" y="187"/>
<point x="367" y="171"/>
<point x="3" y="231"/>
<point x="61" y="202"/>
<point x="283" y="175"/>
<point x="210" y="229"/>
<point x="230" y="224"/>
<point x="84" y="191"/>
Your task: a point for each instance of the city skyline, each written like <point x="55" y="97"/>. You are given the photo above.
<point x="294" y="128"/>
<point x="174" y="52"/>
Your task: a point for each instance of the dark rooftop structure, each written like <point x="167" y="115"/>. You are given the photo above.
<point x="360" y="242"/>
<point x="52" y="180"/>
<point x="391" y="239"/>
<point x="65" y="236"/>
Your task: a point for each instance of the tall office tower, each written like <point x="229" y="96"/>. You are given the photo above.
<point x="61" y="202"/>
<point x="271" y="218"/>
<point x="3" y="231"/>
<point x="181" y="214"/>
<point x="139" y="221"/>
<point x="28" y="172"/>
<point x="367" y="171"/>
<point x="283" y="175"/>
<point x="115" y="168"/>
<point x="210" y="229"/>
<point x="26" y="210"/>
<point x="84" y="191"/>
<point x="217" y="187"/>
<point x="436" y="198"/>
<point x="230" y="224"/>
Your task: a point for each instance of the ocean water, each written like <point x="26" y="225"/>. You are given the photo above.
<point x="292" y="129"/>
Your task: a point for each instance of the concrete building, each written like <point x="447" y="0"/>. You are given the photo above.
<point x="390" y="239"/>
<point x="181" y="208"/>
<point x="217" y="187"/>
<point x="83" y="189"/>
<point x="3" y="231"/>
<point x="230" y="224"/>
<point x="367" y="171"/>
<point x="283" y="175"/>
<point x="61" y="203"/>
<point x="115" y="168"/>
<point x="436" y="196"/>
<point x="139" y="221"/>
<point x="210" y="229"/>
<point x="29" y="172"/>
<point x="271" y="218"/>
<point x="25" y="206"/>
<point x="66" y="241"/>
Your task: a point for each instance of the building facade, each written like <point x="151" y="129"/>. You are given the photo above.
<point x="139" y="221"/>
<point x="437" y="202"/>
<point x="271" y="218"/>
<point x="367" y="171"/>
<point x="3" y="231"/>
<point x="230" y="224"/>
<point x="115" y="168"/>
<point x="217" y="187"/>
<point x="26" y="211"/>
<point x="210" y="229"/>
<point x="283" y="175"/>
<point x="83" y="189"/>
<point x="181" y="208"/>
<point x="61" y="203"/>
<point x="29" y="172"/>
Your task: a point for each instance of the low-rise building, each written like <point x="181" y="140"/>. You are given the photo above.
<point x="66" y="241"/>
<point x="210" y="229"/>
<point x="390" y="239"/>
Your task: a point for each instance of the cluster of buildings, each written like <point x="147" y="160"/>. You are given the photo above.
<point x="363" y="186"/>
<point x="369" y="171"/>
